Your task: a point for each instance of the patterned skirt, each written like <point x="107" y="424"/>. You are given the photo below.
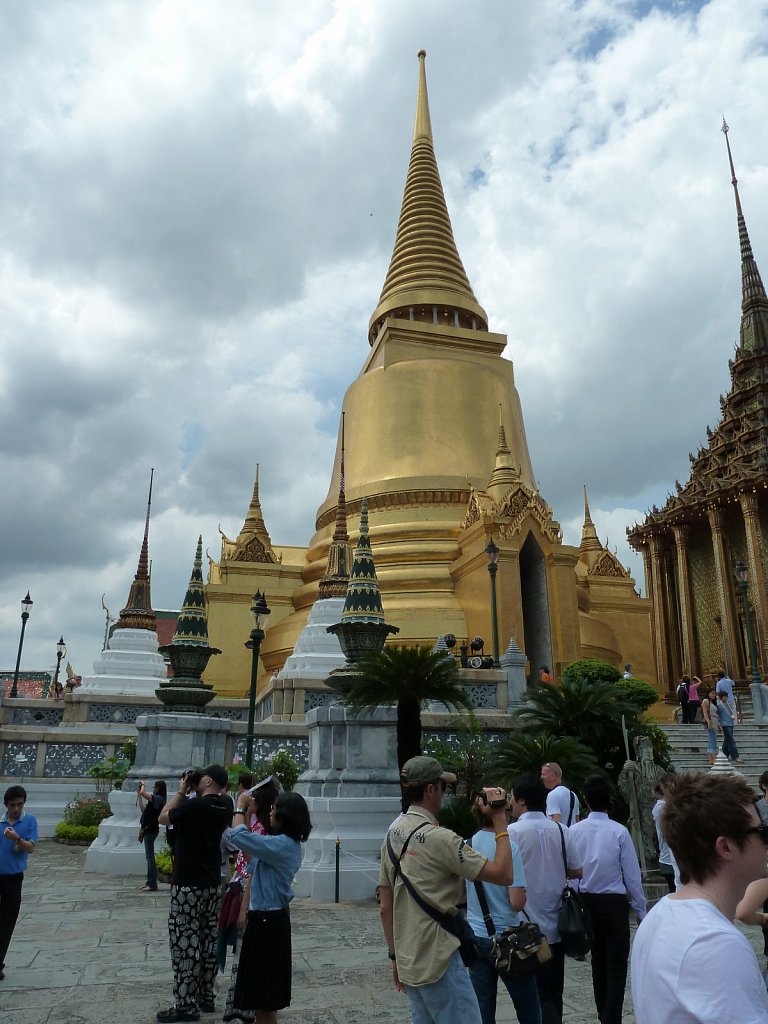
<point x="261" y="980"/>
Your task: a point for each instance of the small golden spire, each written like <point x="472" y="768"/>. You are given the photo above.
<point x="253" y="543"/>
<point x="422" y="126"/>
<point x="589" y="539"/>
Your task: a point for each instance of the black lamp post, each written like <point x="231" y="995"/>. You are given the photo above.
<point x="260" y="611"/>
<point x="492" y="553"/>
<point x="61" y="650"/>
<point x="741" y="573"/>
<point x="26" y="604"/>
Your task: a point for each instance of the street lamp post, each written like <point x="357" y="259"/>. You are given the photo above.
<point x="61" y="650"/>
<point x="260" y="611"/>
<point x="26" y="604"/>
<point x="492" y="553"/>
<point x="741" y="573"/>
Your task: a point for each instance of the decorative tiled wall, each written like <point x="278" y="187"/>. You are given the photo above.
<point x="36" y="716"/>
<point x="12" y="759"/>
<point x="482" y="695"/>
<point x="71" y="760"/>
<point x="318" y="699"/>
<point x="264" y="710"/>
<point x="264" y="747"/>
<point x="120" y="712"/>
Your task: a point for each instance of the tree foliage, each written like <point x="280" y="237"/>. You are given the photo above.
<point x="643" y="694"/>
<point x="591" y="670"/>
<point x="407" y="677"/>
<point x="524" y="752"/>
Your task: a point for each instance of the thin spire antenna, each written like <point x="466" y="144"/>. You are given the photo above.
<point x="734" y="180"/>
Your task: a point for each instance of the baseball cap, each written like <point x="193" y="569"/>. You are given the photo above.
<point x="217" y="773"/>
<point x="420" y="770"/>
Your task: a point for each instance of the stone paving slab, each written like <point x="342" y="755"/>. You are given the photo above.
<point x="90" y="949"/>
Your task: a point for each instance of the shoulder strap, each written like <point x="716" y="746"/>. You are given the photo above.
<point x="490" y="927"/>
<point x="562" y="845"/>
<point x="570" y="807"/>
<point x="437" y="915"/>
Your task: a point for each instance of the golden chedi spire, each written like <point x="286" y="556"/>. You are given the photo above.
<point x="589" y="539"/>
<point x="505" y="473"/>
<point x="253" y="543"/>
<point x="138" y="613"/>
<point x="336" y="577"/>
<point x="754" y="303"/>
<point x="426" y="279"/>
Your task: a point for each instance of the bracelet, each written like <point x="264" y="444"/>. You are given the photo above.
<point x="391" y="956"/>
<point x="502" y="835"/>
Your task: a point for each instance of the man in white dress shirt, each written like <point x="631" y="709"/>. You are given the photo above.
<point x="716" y="835"/>
<point x="562" y="803"/>
<point x="611" y="874"/>
<point x="542" y="851"/>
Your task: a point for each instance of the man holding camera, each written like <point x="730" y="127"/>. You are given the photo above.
<point x="434" y="861"/>
<point x="195" y="891"/>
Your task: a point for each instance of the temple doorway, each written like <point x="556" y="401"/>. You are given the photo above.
<point x="535" y="606"/>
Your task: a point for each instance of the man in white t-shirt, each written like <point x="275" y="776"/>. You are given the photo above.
<point x="562" y="803"/>
<point x="720" y="845"/>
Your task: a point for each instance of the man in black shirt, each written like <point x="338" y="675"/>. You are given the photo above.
<point x="198" y="822"/>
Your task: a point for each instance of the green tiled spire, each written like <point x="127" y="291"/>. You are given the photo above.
<point x="192" y="624"/>
<point x="363" y="600"/>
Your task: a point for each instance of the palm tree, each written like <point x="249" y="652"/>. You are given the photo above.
<point x="406" y="677"/>
<point x="523" y="754"/>
<point x="591" y="712"/>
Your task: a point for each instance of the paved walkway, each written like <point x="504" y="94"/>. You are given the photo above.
<point x="93" y="949"/>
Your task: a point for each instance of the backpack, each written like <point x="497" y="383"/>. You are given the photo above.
<point x="682" y="694"/>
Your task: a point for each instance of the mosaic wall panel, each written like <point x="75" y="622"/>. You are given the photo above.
<point x="264" y="710"/>
<point x="18" y="768"/>
<point x="36" y="716"/>
<point x="231" y="714"/>
<point x="318" y="699"/>
<point x="482" y="695"/>
<point x="120" y="712"/>
<point x="451" y="736"/>
<point x="72" y="760"/>
<point x="265" y="747"/>
<point x="706" y="603"/>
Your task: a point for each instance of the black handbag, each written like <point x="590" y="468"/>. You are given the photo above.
<point x="455" y="924"/>
<point x="517" y="951"/>
<point x="575" y="921"/>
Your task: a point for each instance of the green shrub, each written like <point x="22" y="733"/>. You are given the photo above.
<point x="643" y="694"/>
<point x="591" y="670"/>
<point x="466" y="756"/>
<point x="85" y="810"/>
<point x="164" y="861"/>
<point x="112" y="770"/>
<point x="128" y="752"/>
<point x="66" y="831"/>
<point x="459" y="817"/>
<point x="280" y="764"/>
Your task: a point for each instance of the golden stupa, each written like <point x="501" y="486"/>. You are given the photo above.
<point x="436" y="443"/>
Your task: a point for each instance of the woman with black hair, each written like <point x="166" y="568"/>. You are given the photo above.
<point x="150" y="804"/>
<point x="263" y="984"/>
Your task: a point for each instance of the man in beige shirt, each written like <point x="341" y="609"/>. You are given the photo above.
<point x="425" y="959"/>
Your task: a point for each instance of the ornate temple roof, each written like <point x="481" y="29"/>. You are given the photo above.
<point x="334" y="581"/>
<point x="735" y="456"/>
<point x="138" y="613"/>
<point x="363" y="600"/>
<point x="506" y="474"/>
<point x="192" y="623"/>
<point x="426" y="269"/>
<point x="253" y="543"/>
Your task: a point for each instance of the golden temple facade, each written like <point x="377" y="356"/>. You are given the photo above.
<point x="435" y="442"/>
<point x="719" y="518"/>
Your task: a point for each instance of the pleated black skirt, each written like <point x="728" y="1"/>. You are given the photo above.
<point x="264" y="972"/>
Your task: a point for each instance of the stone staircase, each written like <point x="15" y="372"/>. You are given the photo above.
<point x="689" y="748"/>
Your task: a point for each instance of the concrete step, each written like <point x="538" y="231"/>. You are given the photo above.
<point x="689" y="749"/>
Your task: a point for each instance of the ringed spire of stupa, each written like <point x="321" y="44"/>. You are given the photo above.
<point x="754" y="303"/>
<point x="138" y="613"/>
<point x="253" y="543"/>
<point x="426" y="279"/>
<point x="363" y="600"/>
<point x="505" y="473"/>
<point x="192" y="623"/>
<point x="334" y="581"/>
<point x="589" y="539"/>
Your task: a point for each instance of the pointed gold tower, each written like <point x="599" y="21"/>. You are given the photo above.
<point x="138" y="613"/>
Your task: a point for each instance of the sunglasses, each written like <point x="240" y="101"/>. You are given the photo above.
<point x="759" y="830"/>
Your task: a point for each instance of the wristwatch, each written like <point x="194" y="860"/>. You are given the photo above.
<point x="391" y="956"/>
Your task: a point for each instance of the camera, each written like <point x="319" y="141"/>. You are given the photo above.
<point x="192" y="777"/>
<point x="493" y="804"/>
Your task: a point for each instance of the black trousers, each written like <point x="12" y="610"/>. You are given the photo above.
<point x="610" y="952"/>
<point x="549" y="981"/>
<point x="10" y="902"/>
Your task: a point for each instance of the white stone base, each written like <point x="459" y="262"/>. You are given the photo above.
<point x="131" y="665"/>
<point x="361" y="825"/>
<point x="116" y="850"/>
<point x="317" y="652"/>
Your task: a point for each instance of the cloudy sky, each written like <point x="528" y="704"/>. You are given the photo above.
<point x="198" y="203"/>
